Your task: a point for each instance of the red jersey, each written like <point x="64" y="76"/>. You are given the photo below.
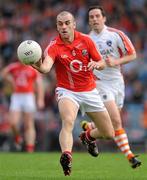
<point x="24" y="77"/>
<point x="71" y="62"/>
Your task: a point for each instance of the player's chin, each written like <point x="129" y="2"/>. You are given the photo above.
<point x="96" y="27"/>
<point x="65" y="35"/>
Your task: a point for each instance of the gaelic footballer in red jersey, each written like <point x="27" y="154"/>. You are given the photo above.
<point x="23" y="77"/>
<point x="71" y="62"/>
<point x="23" y="80"/>
<point x="75" y="56"/>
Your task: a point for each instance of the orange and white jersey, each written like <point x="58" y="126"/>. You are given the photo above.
<point x="114" y="43"/>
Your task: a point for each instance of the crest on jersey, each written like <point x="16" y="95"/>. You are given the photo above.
<point x="84" y="52"/>
<point x="109" y="43"/>
<point x="73" y="52"/>
<point x="105" y="96"/>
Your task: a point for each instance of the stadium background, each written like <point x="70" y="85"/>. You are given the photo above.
<point x="35" y="19"/>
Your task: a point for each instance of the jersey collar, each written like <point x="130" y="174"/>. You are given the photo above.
<point x="98" y="34"/>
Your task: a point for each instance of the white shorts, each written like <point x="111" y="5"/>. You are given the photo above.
<point x="89" y="101"/>
<point x="24" y="102"/>
<point x="112" y="90"/>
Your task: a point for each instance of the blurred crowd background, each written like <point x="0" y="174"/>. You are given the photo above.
<point x="36" y="19"/>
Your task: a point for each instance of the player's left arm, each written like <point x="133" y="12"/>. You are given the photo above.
<point x="127" y="49"/>
<point x="111" y="62"/>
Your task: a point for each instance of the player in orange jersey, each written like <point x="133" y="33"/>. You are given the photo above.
<point x="75" y="56"/>
<point x="116" y="49"/>
<point x="23" y="103"/>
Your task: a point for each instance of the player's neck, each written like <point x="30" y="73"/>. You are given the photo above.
<point x="68" y="40"/>
<point x="98" y="31"/>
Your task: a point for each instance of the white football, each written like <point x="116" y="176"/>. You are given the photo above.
<point x="29" y="52"/>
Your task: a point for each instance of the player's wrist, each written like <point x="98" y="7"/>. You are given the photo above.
<point x="117" y="62"/>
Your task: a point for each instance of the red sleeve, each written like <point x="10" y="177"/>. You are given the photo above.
<point x="51" y="50"/>
<point x="93" y="51"/>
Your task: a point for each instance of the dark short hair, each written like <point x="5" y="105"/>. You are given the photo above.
<point x="97" y="7"/>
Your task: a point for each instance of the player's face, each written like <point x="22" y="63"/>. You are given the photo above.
<point x="66" y="26"/>
<point x="96" y="20"/>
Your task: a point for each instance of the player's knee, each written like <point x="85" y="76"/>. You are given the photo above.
<point x="68" y="123"/>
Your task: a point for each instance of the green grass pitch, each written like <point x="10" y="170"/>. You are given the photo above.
<point x="45" y="166"/>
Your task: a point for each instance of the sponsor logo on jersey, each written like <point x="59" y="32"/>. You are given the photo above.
<point x="79" y="45"/>
<point x="64" y="56"/>
<point x="77" y="66"/>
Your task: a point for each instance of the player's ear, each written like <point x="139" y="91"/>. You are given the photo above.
<point x="74" y="24"/>
<point x="105" y="19"/>
<point x="57" y="27"/>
